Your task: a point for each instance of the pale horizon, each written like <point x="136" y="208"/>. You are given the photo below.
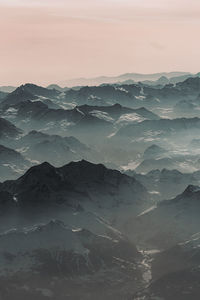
<point x="51" y="41"/>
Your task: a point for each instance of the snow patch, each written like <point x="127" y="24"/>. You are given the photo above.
<point x="130" y="118"/>
<point x="147" y="211"/>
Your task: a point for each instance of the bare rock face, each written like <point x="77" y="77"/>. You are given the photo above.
<point x="73" y="184"/>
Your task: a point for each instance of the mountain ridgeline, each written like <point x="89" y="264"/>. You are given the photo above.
<point x="100" y="188"/>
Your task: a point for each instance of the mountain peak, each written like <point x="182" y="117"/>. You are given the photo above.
<point x="192" y="192"/>
<point x="191" y="189"/>
<point x="117" y="105"/>
<point x="38" y="171"/>
<point x="46" y="165"/>
<point x="77" y="181"/>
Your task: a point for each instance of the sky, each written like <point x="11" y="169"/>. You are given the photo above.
<point x="49" y="41"/>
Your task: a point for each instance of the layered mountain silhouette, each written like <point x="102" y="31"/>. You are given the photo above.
<point x="74" y="185"/>
<point x="12" y="163"/>
<point x="116" y="111"/>
<point x="99" y="189"/>
<point x="28" y="92"/>
<point x="154" y="152"/>
<point x="164" y="223"/>
<point x="8" y="130"/>
<point x="159" y="127"/>
<point x="58" y="257"/>
<point x="123" y="77"/>
<point x="56" y="149"/>
<point x="133" y="95"/>
<point x="166" y="183"/>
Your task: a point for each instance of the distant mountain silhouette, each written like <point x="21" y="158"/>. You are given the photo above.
<point x="7" y="129"/>
<point x="123" y="77"/>
<point x="28" y="92"/>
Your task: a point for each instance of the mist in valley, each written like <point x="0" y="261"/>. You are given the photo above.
<point x="99" y="191"/>
<point x="99" y="150"/>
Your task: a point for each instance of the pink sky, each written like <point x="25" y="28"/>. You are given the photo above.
<point x="48" y="41"/>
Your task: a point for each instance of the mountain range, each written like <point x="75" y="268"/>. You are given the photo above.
<point x="99" y="189"/>
<point x="77" y="185"/>
<point x="120" y="78"/>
